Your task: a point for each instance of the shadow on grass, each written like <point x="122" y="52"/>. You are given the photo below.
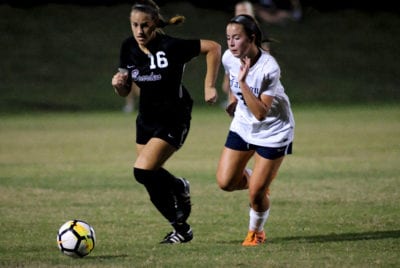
<point x="108" y="257"/>
<point x="333" y="237"/>
<point x="377" y="235"/>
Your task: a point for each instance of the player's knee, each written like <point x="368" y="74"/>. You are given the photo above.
<point x="221" y="181"/>
<point x="231" y="184"/>
<point x="226" y="187"/>
<point x="143" y="176"/>
<point x="224" y="184"/>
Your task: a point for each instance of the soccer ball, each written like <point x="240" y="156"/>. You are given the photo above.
<point x="76" y="238"/>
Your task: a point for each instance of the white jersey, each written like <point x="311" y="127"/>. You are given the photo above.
<point x="277" y="129"/>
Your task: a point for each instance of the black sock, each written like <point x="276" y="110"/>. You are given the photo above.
<point x="173" y="182"/>
<point x="160" y="185"/>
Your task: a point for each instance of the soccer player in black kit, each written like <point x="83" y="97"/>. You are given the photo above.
<point x="155" y="62"/>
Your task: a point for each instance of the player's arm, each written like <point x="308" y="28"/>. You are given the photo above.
<point x="225" y="84"/>
<point x="120" y="83"/>
<point x="212" y="50"/>
<point x="259" y="106"/>
<point x="232" y="101"/>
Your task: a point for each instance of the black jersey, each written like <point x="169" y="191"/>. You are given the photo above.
<point x="159" y="75"/>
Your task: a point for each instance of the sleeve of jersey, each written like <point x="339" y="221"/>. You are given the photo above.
<point x="123" y="54"/>
<point x="124" y="57"/>
<point x="225" y="61"/>
<point x="185" y="50"/>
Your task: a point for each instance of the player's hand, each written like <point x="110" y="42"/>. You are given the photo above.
<point x="119" y="80"/>
<point x="244" y="69"/>
<point x="210" y="95"/>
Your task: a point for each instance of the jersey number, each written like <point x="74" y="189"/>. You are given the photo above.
<point x="159" y="61"/>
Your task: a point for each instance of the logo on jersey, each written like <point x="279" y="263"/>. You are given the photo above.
<point x="150" y="77"/>
<point x="235" y="84"/>
<point x="135" y="74"/>
<point x="145" y="78"/>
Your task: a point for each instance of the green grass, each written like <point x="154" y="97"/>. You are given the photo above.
<point x="334" y="203"/>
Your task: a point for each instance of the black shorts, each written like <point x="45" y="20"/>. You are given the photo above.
<point x="235" y="142"/>
<point x="174" y="134"/>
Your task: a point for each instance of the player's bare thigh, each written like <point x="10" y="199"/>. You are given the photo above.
<point x="264" y="171"/>
<point x="230" y="168"/>
<point x="153" y="155"/>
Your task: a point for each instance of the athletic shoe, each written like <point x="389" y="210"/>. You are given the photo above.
<point x="254" y="238"/>
<point x="176" y="238"/>
<point x="183" y="200"/>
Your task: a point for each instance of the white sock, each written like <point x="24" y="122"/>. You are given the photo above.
<point x="257" y="220"/>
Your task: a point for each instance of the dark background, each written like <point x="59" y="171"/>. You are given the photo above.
<point x="60" y="56"/>
<point x="322" y="5"/>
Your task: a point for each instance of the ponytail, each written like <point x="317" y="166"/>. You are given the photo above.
<point x="178" y="19"/>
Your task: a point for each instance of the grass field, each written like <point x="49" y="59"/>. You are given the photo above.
<point x="335" y="202"/>
<point x="66" y="151"/>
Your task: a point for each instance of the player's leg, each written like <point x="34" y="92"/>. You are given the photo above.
<point x="149" y="160"/>
<point x="265" y="170"/>
<point x="153" y="154"/>
<point x="161" y="185"/>
<point x="231" y="171"/>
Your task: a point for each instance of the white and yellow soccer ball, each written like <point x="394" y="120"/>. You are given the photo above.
<point x="76" y="238"/>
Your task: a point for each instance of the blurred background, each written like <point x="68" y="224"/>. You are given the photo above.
<point x="61" y="55"/>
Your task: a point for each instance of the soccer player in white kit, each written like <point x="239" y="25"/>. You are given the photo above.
<point x="262" y="126"/>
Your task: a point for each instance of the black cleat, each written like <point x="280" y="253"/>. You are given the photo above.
<point x="177" y="238"/>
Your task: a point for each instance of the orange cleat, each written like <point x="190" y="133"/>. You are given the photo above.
<point x="254" y="238"/>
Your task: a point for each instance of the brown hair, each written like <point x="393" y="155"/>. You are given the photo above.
<point x="250" y="26"/>
<point x="151" y="8"/>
